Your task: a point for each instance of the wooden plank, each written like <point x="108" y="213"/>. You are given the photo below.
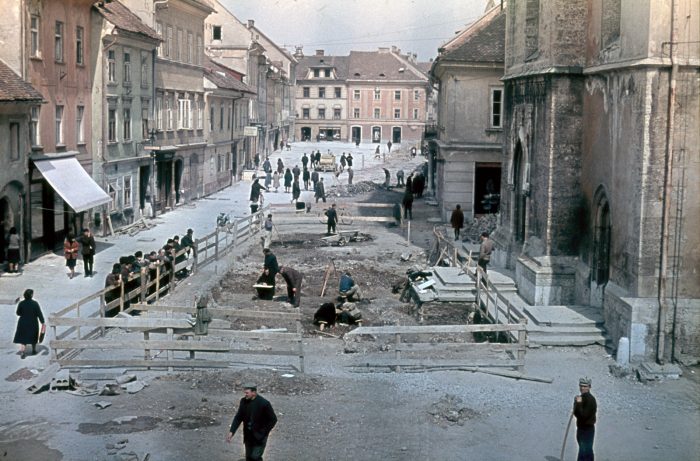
<point x="391" y="362"/>
<point x="458" y="347"/>
<point x="84" y="300"/>
<point x="80" y="363"/>
<point x="220" y="311"/>
<point x="116" y="322"/>
<point x="210" y="346"/>
<point x="433" y="329"/>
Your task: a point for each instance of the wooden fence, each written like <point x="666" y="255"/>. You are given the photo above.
<point x="444" y="332"/>
<point x="82" y="318"/>
<point x="167" y="329"/>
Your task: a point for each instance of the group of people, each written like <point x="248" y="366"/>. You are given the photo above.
<point x="163" y="261"/>
<point x="85" y="245"/>
<point x="292" y="277"/>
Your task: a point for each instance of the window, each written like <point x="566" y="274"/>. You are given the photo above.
<point x="127" y="67"/>
<point x="112" y="125"/>
<point x="221" y="117"/>
<point x="79" y="125"/>
<point x="14" y="143"/>
<point x="159" y="113"/>
<point x="159" y="31"/>
<point x="144" y="119"/>
<point x="113" y="195"/>
<point x="338" y="91"/>
<point x="212" y="110"/>
<point x="322" y="113"/>
<point x="183" y="114"/>
<point x="416" y="95"/>
<point x="58" y="42"/>
<point x="126" y="124"/>
<point x="216" y="33"/>
<point x="306" y="91"/>
<point x="169" y="42"/>
<point x="144" y="69"/>
<point x="321" y="92"/>
<point x="356" y="113"/>
<point x="127" y="192"/>
<point x="111" y="67"/>
<point x="317" y="73"/>
<point x="190" y="115"/>
<point x="230" y="116"/>
<point x="34" y="32"/>
<point x="59" y="125"/>
<point x="168" y="113"/>
<point x="356" y="94"/>
<point x="34" y="126"/>
<point x="190" y="46"/>
<point x="397" y="95"/>
<point x="79" y="59"/>
<point x="397" y="113"/>
<point x="305" y="113"/>
<point x="496" y="107"/>
<point x="377" y="94"/>
<point x="377" y="113"/>
<point x="198" y="51"/>
<point x="415" y="114"/>
<point x="337" y="114"/>
<point x="327" y="72"/>
<point x="179" y="42"/>
<point x="200" y="115"/>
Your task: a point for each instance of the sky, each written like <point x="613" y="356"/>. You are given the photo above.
<point x="338" y="26"/>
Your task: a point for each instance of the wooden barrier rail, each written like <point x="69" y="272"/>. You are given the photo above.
<point x="400" y="332"/>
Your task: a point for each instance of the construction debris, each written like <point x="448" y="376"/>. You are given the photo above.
<point x="450" y="411"/>
<point x="102" y="404"/>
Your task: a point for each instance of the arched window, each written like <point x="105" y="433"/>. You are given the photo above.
<point x="520" y="198"/>
<point x="600" y="264"/>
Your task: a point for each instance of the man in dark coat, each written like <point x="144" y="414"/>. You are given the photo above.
<point x="349" y="160"/>
<point x="408" y="204"/>
<point x="585" y="408"/>
<point x="296" y="171"/>
<point x="332" y="216"/>
<point x="305" y="176"/>
<point x="296" y="190"/>
<point x="304" y="161"/>
<point x="258" y="419"/>
<point x="27" y="331"/>
<point x="87" y="249"/>
<point x="270" y="267"/>
<point x="320" y="191"/>
<point x="293" y="278"/>
<point x="457" y="220"/>
<point x="314" y="179"/>
<point x="255" y="189"/>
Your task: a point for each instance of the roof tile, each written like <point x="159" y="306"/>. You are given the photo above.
<point x="13" y="88"/>
<point x="123" y="18"/>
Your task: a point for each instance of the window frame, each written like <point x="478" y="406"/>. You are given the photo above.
<point x="321" y="113"/>
<point x="305" y="113"/>
<point x="356" y="112"/>
<point x="322" y="92"/>
<point x="127" y="192"/>
<point x="126" y="124"/>
<point x="377" y="94"/>
<point x="306" y="92"/>
<point x="34" y="113"/>
<point x="338" y="92"/>
<point x="35" y="35"/>
<point x="190" y="47"/>
<point x="126" y="78"/>
<point x="79" y="46"/>
<point x="159" y="31"/>
<point x="377" y="113"/>
<point x="60" y="112"/>
<point x="144" y="70"/>
<point x="356" y="95"/>
<point x="397" y="113"/>
<point x="111" y="66"/>
<point x="169" y="41"/>
<point x="397" y="95"/>
<point x="493" y="104"/>
<point x="59" y="42"/>
<point x="80" y="124"/>
<point x="214" y="30"/>
<point x="112" y="125"/>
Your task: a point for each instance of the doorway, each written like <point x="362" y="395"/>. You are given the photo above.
<point x="356" y="134"/>
<point x="376" y="134"/>
<point x="519" y="202"/>
<point x="396" y="135"/>
<point x="306" y="133"/>
<point x="487" y="188"/>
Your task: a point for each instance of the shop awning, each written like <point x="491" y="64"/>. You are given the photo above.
<point x="70" y="180"/>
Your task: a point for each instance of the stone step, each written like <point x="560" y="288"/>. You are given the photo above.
<point x="565" y="315"/>
<point x="567" y="340"/>
<point x="541" y="330"/>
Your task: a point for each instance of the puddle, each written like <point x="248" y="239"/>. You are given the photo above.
<point x="28" y="449"/>
<point x="21" y="375"/>
<point x="193" y="422"/>
<point x="123" y="425"/>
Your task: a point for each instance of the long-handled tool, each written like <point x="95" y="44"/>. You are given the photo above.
<point x="566" y="434"/>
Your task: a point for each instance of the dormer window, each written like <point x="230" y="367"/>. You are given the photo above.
<point x="317" y="73"/>
<point x="327" y="73"/>
<point x="357" y="74"/>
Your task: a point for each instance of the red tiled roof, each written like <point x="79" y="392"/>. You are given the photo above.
<point x="376" y="65"/>
<point x="13" y="88"/>
<point x="339" y="63"/>
<point x="123" y="18"/>
<point x="222" y="77"/>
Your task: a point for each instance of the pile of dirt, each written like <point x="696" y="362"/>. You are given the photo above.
<point x="450" y="411"/>
<point x="362" y="187"/>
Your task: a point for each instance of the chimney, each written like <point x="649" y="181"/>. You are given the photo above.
<point x="319" y="53"/>
<point x="251" y="23"/>
<point x="383" y="49"/>
<point x="393" y="48"/>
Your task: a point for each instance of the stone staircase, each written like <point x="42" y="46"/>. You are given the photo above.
<point x="565" y="325"/>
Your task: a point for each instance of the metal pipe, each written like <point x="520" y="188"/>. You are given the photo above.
<point x="668" y="189"/>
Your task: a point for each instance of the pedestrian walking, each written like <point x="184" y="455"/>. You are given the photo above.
<point x="70" y="252"/>
<point x="267" y="232"/>
<point x="320" y="191"/>
<point x="87" y="249"/>
<point x="408" y="205"/>
<point x="457" y="220"/>
<point x="258" y="419"/>
<point x="13" y="245"/>
<point x="349" y="160"/>
<point x="296" y="190"/>
<point x="388" y="146"/>
<point x="276" y="181"/>
<point x="485" y="251"/>
<point x="296" y="171"/>
<point x="351" y="173"/>
<point x="387" y="178"/>
<point x="287" y="180"/>
<point x="255" y="189"/>
<point x="585" y="409"/>
<point x="409" y="182"/>
<point x="343" y="162"/>
<point x="377" y="154"/>
<point x="30" y="316"/>
<point x="304" y="161"/>
<point x="314" y="178"/>
<point x="280" y="166"/>
<point x="257" y="160"/>
<point x="305" y="176"/>
<point x="332" y="216"/>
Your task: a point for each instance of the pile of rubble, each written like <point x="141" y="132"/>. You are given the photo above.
<point x="347" y="190"/>
<point x="482" y="223"/>
<point x="450" y="411"/>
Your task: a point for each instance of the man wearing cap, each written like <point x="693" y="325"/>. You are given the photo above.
<point x="258" y="419"/>
<point x="585" y="408"/>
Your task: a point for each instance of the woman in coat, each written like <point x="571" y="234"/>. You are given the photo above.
<point x="13" y="245"/>
<point x="27" y="332"/>
<point x="280" y="166"/>
<point x="296" y="190"/>
<point x="70" y="251"/>
<point x="287" y="180"/>
<point x="276" y="181"/>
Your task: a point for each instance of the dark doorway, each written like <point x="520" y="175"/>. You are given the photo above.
<point x="164" y="178"/>
<point x="601" y="241"/>
<point x="144" y="178"/>
<point x="179" y="168"/>
<point x="376" y="134"/>
<point x="306" y="133"/>
<point x="487" y="187"/>
<point x="520" y="200"/>
<point x="356" y="134"/>
<point x="396" y="135"/>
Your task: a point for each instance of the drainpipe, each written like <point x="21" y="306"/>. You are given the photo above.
<point x="668" y="190"/>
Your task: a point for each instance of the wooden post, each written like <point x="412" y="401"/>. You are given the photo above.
<point x="478" y="289"/>
<point x="300" y="344"/>
<point x="144" y="288"/>
<point x="216" y="244"/>
<point x="147" y="352"/>
<point x="157" y="281"/>
<point x="54" y="351"/>
<point x="121" y="296"/>
<point x="397" y="343"/>
<point x="235" y="233"/>
<point x="195" y="252"/>
<point x="522" y="340"/>
<point x="408" y="235"/>
<point x="456" y="263"/>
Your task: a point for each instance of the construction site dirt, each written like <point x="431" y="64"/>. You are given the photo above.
<point x="340" y="410"/>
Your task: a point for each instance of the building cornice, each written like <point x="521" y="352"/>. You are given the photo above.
<point x="550" y="70"/>
<point x="654" y="62"/>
